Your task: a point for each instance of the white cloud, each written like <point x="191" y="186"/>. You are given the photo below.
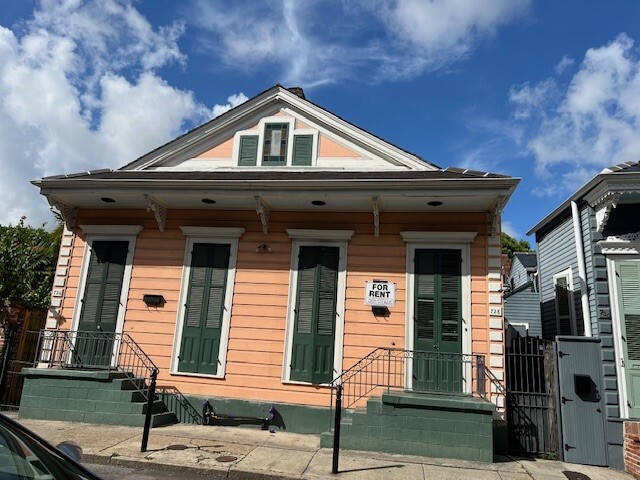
<point x="563" y="65"/>
<point x="509" y="229"/>
<point x="234" y="100"/>
<point x="591" y="122"/>
<point x="317" y="42"/>
<point x="78" y="91"/>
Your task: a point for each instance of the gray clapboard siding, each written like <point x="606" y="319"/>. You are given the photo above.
<point x="556" y="253"/>
<point x="523" y="306"/>
<point x="518" y="274"/>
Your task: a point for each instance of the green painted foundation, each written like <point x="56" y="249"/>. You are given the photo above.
<point x="411" y="424"/>
<point x="86" y="396"/>
<point x="289" y="417"/>
<point x="417" y="424"/>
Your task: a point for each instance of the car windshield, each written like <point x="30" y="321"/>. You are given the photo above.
<point x="23" y="456"/>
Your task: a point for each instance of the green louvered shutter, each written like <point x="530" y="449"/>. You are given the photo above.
<point x="248" y="154"/>
<point x="628" y="279"/>
<point x="437" y="320"/>
<point x="302" y="149"/>
<point x="101" y="301"/>
<point x="204" y="308"/>
<point x="103" y="286"/>
<point x="315" y="315"/>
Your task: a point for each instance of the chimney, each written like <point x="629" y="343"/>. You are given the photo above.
<point x="297" y="91"/>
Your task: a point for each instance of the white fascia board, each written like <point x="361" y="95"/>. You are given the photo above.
<point x="475" y="186"/>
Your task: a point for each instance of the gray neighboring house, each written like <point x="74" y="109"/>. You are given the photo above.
<point x="521" y="297"/>
<point x="589" y="277"/>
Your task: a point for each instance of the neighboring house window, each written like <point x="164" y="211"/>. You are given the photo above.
<point x="565" y="309"/>
<point x="315" y="322"/>
<point x="276" y="143"/>
<point x="203" y="329"/>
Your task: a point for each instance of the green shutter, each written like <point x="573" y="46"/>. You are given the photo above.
<point x="100" y="303"/>
<point x="437" y="319"/>
<point x="103" y="286"/>
<point x="204" y="308"/>
<point x="302" y="149"/>
<point x="315" y="315"/>
<point x="248" y="154"/>
<point x="628" y="283"/>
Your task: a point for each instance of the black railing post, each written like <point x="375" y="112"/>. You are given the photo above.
<point x="336" y="429"/>
<point x="481" y="376"/>
<point x="151" y="395"/>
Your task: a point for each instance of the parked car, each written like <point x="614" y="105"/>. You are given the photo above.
<point x="24" y="456"/>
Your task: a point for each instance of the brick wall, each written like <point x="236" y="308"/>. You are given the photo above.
<point x="632" y="448"/>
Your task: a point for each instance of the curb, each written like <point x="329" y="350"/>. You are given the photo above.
<point x="214" y="473"/>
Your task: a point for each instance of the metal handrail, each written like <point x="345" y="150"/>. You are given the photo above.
<point x="388" y="368"/>
<point x="105" y="351"/>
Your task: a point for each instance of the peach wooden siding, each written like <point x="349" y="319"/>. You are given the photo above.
<point x="222" y="150"/>
<point x="259" y="309"/>
<point x="329" y="148"/>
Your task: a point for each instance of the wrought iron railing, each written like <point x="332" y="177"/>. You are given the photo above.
<point x="432" y="372"/>
<point x="385" y="369"/>
<point x="105" y="351"/>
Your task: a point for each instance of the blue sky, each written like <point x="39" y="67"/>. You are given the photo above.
<point x="548" y="91"/>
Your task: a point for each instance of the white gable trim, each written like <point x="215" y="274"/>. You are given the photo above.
<point x="191" y="140"/>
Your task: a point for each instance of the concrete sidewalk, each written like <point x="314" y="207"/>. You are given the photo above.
<point x="242" y="452"/>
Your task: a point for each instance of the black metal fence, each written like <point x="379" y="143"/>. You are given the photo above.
<point x="531" y="409"/>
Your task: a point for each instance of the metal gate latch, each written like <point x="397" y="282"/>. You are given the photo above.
<point x="568" y="447"/>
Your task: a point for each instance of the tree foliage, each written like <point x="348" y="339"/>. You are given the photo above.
<point x="27" y="264"/>
<point x="510" y="245"/>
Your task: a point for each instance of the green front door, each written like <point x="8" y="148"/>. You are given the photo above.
<point x="437" y="320"/>
<point x="628" y="282"/>
<point x="204" y="309"/>
<point x="315" y="315"/>
<point x="100" y="304"/>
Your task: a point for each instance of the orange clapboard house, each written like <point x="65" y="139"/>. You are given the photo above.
<point x="259" y="258"/>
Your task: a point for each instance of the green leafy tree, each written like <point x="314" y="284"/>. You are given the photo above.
<point x="510" y="245"/>
<point x="27" y="264"/>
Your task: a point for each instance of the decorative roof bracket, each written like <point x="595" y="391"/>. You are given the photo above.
<point x="67" y="212"/>
<point x="603" y="207"/>
<point x="263" y="210"/>
<point x="159" y="210"/>
<point x="376" y="217"/>
<point x="495" y="215"/>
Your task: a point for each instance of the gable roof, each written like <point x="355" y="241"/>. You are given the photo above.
<point x="292" y="98"/>
<point x="626" y="174"/>
<point x="529" y="260"/>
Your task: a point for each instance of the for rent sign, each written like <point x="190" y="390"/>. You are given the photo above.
<point x="380" y="294"/>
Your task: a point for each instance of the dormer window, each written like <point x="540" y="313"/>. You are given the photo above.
<point x="276" y="143"/>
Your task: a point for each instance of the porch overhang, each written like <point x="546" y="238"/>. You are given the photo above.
<point x="265" y="192"/>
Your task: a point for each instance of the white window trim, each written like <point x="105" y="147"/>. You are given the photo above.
<point x="621" y="373"/>
<point x="448" y="241"/>
<point x="328" y="238"/>
<point x="291" y="121"/>
<point x="107" y="233"/>
<point x="220" y="235"/>
<point x="572" y="307"/>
